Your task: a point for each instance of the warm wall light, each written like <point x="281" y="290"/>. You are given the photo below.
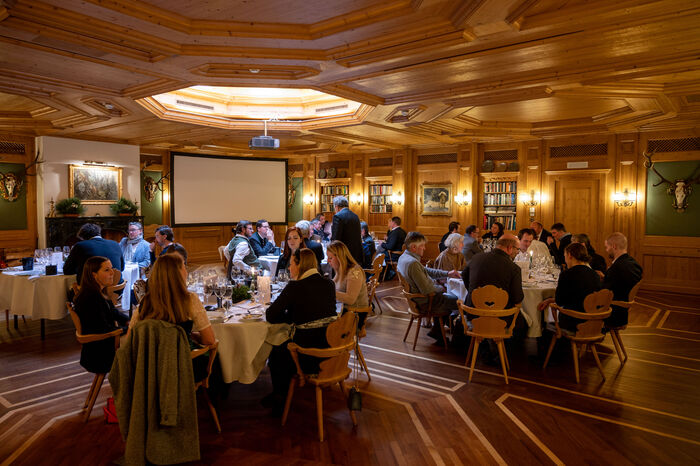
<point x="530" y="199"/>
<point x="463" y="199"/>
<point x="356" y="198"/>
<point x="625" y="198"/>
<point x="309" y="199"/>
<point x="397" y="198"/>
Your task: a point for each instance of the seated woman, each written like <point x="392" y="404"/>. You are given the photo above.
<point x="292" y="241"/>
<point x="168" y="299"/>
<point x="369" y="249"/>
<point x="97" y="314"/>
<point x="495" y="232"/>
<point x="350" y="285"/>
<point x="575" y="283"/>
<point x="597" y="262"/>
<point x="452" y="258"/>
<point x="308" y="303"/>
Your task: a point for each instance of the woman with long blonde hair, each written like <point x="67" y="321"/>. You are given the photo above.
<point x="168" y="300"/>
<point x="350" y="285"/>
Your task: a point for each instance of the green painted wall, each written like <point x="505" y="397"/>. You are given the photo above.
<point x="13" y="215"/>
<point x="295" y="213"/>
<point x="152" y="211"/>
<point x="661" y="218"/>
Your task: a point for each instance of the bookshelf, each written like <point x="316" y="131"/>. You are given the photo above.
<point x="328" y="192"/>
<point x="500" y="203"/>
<point x="380" y="209"/>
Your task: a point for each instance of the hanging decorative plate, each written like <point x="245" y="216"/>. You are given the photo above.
<point x="488" y="166"/>
<point x="322" y="173"/>
<point x="513" y="167"/>
<point x="332" y="172"/>
<point x="342" y="174"/>
<point x="501" y="166"/>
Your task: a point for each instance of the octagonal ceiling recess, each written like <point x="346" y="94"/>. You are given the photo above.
<point x="246" y="107"/>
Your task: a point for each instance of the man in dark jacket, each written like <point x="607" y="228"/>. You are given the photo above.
<point x="315" y="246"/>
<point x="540" y="233"/>
<point x="622" y="275"/>
<point x="263" y="240"/>
<point x="92" y="244"/>
<point x="346" y="228"/>
<point x="395" y="238"/>
<point x="560" y="234"/>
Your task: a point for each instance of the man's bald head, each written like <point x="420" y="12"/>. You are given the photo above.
<point x="509" y="244"/>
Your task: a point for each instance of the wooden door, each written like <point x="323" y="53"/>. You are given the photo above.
<point x="577" y="206"/>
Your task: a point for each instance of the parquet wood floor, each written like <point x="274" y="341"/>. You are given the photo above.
<point x="418" y="408"/>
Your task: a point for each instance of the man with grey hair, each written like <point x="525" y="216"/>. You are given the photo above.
<point x="134" y="247"/>
<point x="315" y="246"/>
<point x="346" y="228"/>
<point x="421" y="280"/>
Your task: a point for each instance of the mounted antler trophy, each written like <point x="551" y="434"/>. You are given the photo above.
<point x="679" y="189"/>
<point x="11" y="183"/>
<point x="151" y="186"/>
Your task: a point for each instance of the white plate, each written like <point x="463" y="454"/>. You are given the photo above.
<point x="251" y="318"/>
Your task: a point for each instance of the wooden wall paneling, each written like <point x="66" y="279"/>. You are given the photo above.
<point x="531" y="168"/>
<point x="626" y="158"/>
<point x="166" y="191"/>
<point x="202" y="243"/>
<point x="26" y="238"/>
<point x="465" y="183"/>
<point x="310" y="170"/>
<point x="357" y="186"/>
<point x="404" y="184"/>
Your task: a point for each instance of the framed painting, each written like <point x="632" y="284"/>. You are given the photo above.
<point x="436" y="199"/>
<point x="95" y="185"/>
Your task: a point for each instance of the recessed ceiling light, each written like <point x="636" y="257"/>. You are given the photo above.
<point x="254" y="70"/>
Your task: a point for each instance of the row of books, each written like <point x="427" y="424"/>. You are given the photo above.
<point x="499" y="199"/>
<point x="508" y="221"/>
<point x="380" y="189"/>
<point x="336" y="190"/>
<point x="378" y="200"/>
<point x="380" y="209"/>
<point x="501" y="187"/>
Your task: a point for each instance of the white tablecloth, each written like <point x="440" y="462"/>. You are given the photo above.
<point x="35" y="295"/>
<point x="245" y="345"/>
<point x="129" y="275"/>
<point x="534" y="294"/>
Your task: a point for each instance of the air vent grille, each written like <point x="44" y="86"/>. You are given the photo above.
<point x="437" y="158"/>
<point x="578" y="150"/>
<point x="501" y="154"/>
<point x="330" y="109"/>
<point x="383" y="162"/>
<point x="12" y="148"/>
<point x="195" y="104"/>
<point x="674" y="145"/>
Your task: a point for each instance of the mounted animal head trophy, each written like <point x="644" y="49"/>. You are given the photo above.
<point x="151" y="186"/>
<point x="291" y="190"/>
<point x="11" y="183"/>
<point x="679" y="189"/>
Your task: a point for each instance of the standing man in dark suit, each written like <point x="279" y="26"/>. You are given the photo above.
<point x="346" y="228"/>
<point x="540" y="233"/>
<point x="622" y="275"/>
<point x="263" y="240"/>
<point x="560" y="234"/>
<point x="92" y="244"/>
<point x="395" y="238"/>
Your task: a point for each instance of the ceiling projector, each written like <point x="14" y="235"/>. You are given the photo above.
<point x="264" y="142"/>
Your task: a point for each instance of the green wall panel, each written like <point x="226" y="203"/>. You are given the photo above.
<point x="661" y="218"/>
<point x="13" y="215"/>
<point x="152" y="211"/>
<point x="295" y="213"/>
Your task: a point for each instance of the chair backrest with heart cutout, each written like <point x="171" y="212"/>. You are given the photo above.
<point x="490" y="297"/>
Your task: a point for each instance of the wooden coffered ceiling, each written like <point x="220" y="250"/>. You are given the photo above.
<point x="432" y="71"/>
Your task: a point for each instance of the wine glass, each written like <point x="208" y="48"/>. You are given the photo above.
<point x="66" y="252"/>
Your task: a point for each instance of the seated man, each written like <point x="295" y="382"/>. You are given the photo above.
<point x="368" y="247"/>
<point x="471" y="246"/>
<point x="622" y="275"/>
<point x="242" y="255"/>
<point x="315" y="246"/>
<point x="420" y="280"/>
<point x="560" y="234"/>
<point x="496" y="268"/>
<point x="395" y="238"/>
<point x="531" y="250"/>
<point x="92" y="244"/>
<point x="134" y="247"/>
<point x="263" y="240"/>
<point x="322" y="228"/>
<point x="164" y="238"/>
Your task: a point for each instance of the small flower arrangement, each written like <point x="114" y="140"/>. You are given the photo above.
<point x="124" y="206"/>
<point x="70" y="206"/>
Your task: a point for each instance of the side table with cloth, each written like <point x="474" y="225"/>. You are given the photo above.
<point x="33" y="294"/>
<point x="535" y="293"/>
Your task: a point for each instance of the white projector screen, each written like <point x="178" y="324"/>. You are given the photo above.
<point x="210" y="190"/>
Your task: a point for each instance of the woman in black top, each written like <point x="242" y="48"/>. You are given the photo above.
<point x="292" y="242"/>
<point x="495" y="232"/>
<point x="597" y="262"/>
<point x="575" y="283"/>
<point x="97" y="314"/>
<point x="307" y="298"/>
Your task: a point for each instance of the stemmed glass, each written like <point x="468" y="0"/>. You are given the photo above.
<point x="66" y="252"/>
<point x="226" y="295"/>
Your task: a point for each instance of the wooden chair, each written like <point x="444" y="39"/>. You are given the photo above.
<point x="82" y="339"/>
<point x="362" y="332"/>
<point x="112" y="290"/>
<point x="390" y="262"/>
<point x="372" y="285"/>
<point x="597" y="307"/>
<point x="490" y="302"/>
<point x="615" y="331"/>
<point x="204" y="383"/>
<point x="341" y="336"/>
<point x="223" y="256"/>
<point x="377" y="263"/>
<point x="415" y="313"/>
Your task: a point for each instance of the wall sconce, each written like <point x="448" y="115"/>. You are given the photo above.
<point x="397" y="198"/>
<point x="309" y="199"/>
<point x="530" y="199"/>
<point x="356" y="198"/>
<point x="625" y="198"/>
<point x="463" y="199"/>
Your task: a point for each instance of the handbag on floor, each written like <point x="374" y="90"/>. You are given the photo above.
<point x="110" y="412"/>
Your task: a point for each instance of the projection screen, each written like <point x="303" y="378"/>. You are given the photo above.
<point x="211" y="190"/>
